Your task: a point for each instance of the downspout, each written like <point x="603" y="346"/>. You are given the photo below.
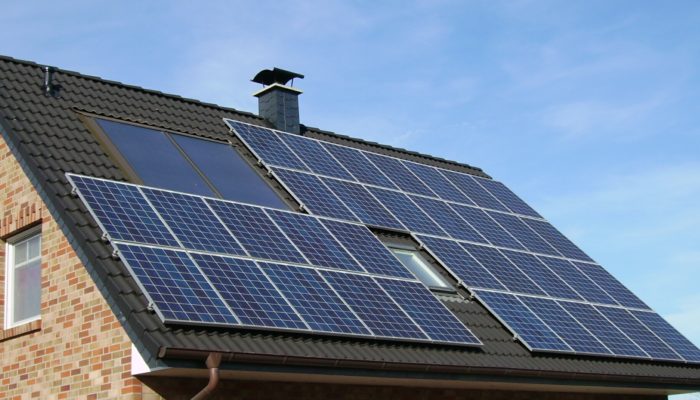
<point x="213" y="361"/>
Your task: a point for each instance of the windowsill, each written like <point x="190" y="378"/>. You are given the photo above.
<point x="19" y="330"/>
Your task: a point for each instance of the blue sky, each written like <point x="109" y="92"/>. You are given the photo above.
<point x="589" y="110"/>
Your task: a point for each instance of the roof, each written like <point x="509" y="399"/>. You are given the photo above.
<point x="49" y="138"/>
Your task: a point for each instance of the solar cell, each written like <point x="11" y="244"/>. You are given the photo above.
<point x="448" y="220"/>
<point x="310" y="191"/>
<point x="122" y="211"/>
<point x="528" y="328"/>
<point x="507" y="197"/>
<point x="266" y="145"/>
<point x="363" y="204"/>
<point x="256" y="232"/>
<point x="612" y="286"/>
<point x="248" y="292"/>
<point x="531" y="240"/>
<point x="556" y="239"/>
<point x="540" y="273"/>
<point x="487" y="227"/>
<point x="669" y="334"/>
<point x="315" y="156"/>
<point x="313" y="240"/>
<point x="313" y="299"/>
<point x="359" y="166"/>
<point x="428" y="312"/>
<point x="399" y="174"/>
<point x="407" y="211"/>
<point x="372" y="304"/>
<point x="367" y="249"/>
<point x="438" y="183"/>
<point x="174" y="284"/>
<point x="192" y="222"/>
<point x="499" y="266"/>
<point x="577" y="280"/>
<point x="473" y="190"/>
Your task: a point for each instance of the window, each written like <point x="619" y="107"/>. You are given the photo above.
<point x="187" y="164"/>
<point x="23" y="279"/>
<point x="421" y="268"/>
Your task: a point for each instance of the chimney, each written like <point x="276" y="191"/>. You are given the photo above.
<point x="277" y="102"/>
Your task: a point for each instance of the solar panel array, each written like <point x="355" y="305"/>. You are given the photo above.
<point x="205" y="261"/>
<point x="544" y="288"/>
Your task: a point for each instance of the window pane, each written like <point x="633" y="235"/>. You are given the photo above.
<point x="154" y="158"/>
<point x="34" y="245"/>
<point x="27" y="291"/>
<point x="20" y="252"/>
<point x="229" y="172"/>
<point x="420" y="268"/>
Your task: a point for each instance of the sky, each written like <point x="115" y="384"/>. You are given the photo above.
<point x="588" y="110"/>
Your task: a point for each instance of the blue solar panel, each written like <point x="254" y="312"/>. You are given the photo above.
<point x="473" y="190"/>
<point x="601" y="328"/>
<point x="463" y="266"/>
<point x="448" y="220"/>
<point x="578" y="281"/>
<point x="556" y="239"/>
<point x="428" y="312"/>
<point x="193" y="223"/>
<point x="363" y="204"/>
<point x="407" y="212"/>
<point x="612" y="286"/>
<point x="313" y="299"/>
<point x="315" y="156"/>
<point x="669" y="334"/>
<point x="372" y="304"/>
<point x="177" y="288"/>
<point x="487" y="227"/>
<point x="530" y="329"/>
<point x="310" y="191"/>
<point x="438" y="183"/>
<point x="540" y="273"/>
<point x="248" y="292"/>
<point x="399" y="174"/>
<point x="531" y="240"/>
<point x="359" y="166"/>
<point x="123" y="211"/>
<point x="500" y="267"/>
<point x="566" y="327"/>
<point x="267" y="145"/>
<point x="639" y="333"/>
<point x="256" y="232"/>
<point x="314" y="241"/>
<point x="367" y="249"/>
<point x="507" y="197"/>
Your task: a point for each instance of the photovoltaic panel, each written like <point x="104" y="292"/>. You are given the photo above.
<point x="267" y="145"/>
<point x="248" y="292"/>
<point x="448" y="220"/>
<point x="178" y="290"/>
<point x="507" y="197"/>
<point x="530" y="329"/>
<point x="531" y="240"/>
<point x="123" y="211"/>
<point x="314" y="241"/>
<point x="556" y="239"/>
<point x="669" y="334"/>
<point x="438" y="183"/>
<point x="313" y="194"/>
<point x="399" y="174"/>
<point x="313" y="299"/>
<point x="315" y="156"/>
<point x="540" y="273"/>
<point x="363" y="204"/>
<point x="499" y="266"/>
<point x="427" y="311"/>
<point x="473" y="190"/>
<point x="192" y="222"/>
<point x="465" y="268"/>
<point x="578" y="281"/>
<point x="407" y="211"/>
<point x="256" y="232"/>
<point x="487" y="227"/>
<point x="367" y="249"/>
<point x="359" y="166"/>
<point x="372" y="304"/>
<point x="612" y="286"/>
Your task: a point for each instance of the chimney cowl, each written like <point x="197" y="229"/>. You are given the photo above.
<point x="277" y="102"/>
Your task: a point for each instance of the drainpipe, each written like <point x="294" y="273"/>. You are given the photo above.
<point x="213" y="361"/>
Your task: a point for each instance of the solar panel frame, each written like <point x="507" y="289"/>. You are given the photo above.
<point x="523" y="233"/>
<point x="679" y="343"/>
<point x="315" y="156"/>
<point x="401" y="176"/>
<point x="448" y="219"/>
<point x="507" y="197"/>
<point x="266" y="145"/>
<point x="359" y="166"/>
<point x="547" y="280"/>
<point x="487" y="227"/>
<point x="406" y="211"/>
<point x="437" y="182"/>
<point x="508" y="273"/>
<point x="363" y="204"/>
<point x="578" y="281"/>
<point x="557" y="240"/>
<point x="475" y="192"/>
<point x="614" y="288"/>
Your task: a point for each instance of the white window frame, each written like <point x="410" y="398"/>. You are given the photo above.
<point x="10" y="245"/>
<point x="444" y="286"/>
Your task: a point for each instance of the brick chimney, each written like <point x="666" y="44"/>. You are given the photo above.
<point x="277" y="102"/>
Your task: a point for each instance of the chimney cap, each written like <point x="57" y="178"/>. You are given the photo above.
<point x="275" y="75"/>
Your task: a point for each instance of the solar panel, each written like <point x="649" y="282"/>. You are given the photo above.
<point x="556" y="239"/>
<point x="407" y="211"/>
<point x="256" y="232"/>
<point x="313" y="194"/>
<point x="448" y="220"/>
<point x="438" y="183"/>
<point x="363" y="204"/>
<point x="427" y="311"/>
<point x="266" y="145"/>
<point x="315" y="156"/>
<point x="192" y="222"/>
<point x="669" y="334"/>
<point x="531" y="240"/>
<point x="507" y="197"/>
<point x="359" y="166"/>
<point x="374" y="307"/>
<point x="487" y="227"/>
<point x="550" y="282"/>
<point x="122" y="211"/>
<point x="314" y="241"/>
<point x="578" y="281"/>
<point x="399" y="174"/>
<point x="473" y="190"/>
<point x="248" y="292"/>
<point x="499" y="266"/>
<point x="612" y="286"/>
<point x="175" y="286"/>
<point x="367" y="249"/>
